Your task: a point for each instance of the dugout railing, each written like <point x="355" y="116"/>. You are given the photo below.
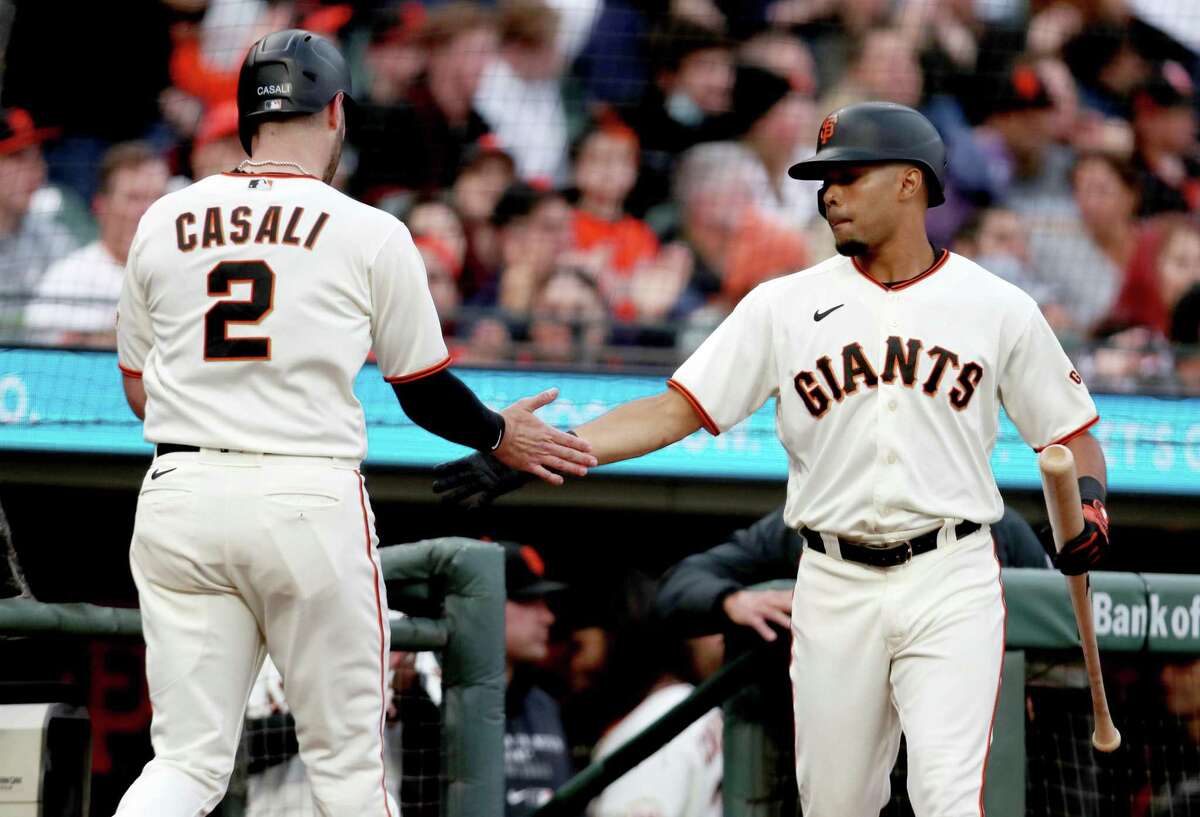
<point x="452" y="591"/>
<point x="1040" y="762"/>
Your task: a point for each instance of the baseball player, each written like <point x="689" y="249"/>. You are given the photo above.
<point x="888" y="364"/>
<point x="250" y="301"/>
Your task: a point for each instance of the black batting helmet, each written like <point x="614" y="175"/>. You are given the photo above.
<point x="877" y="132"/>
<point x="288" y="72"/>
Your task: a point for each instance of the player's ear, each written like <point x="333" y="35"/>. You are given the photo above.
<point x="911" y="182"/>
<point x="335" y="111"/>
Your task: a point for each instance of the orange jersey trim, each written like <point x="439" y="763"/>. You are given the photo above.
<point x="1066" y="438"/>
<point x="937" y="265"/>
<point x="136" y="375"/>
<point x="408" y="378"/>
<point x="705" y="419"/>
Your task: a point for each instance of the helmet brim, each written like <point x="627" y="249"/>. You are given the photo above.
<point x="819" y="166"/>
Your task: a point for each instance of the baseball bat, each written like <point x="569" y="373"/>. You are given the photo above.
<point x="1061" y="488"/>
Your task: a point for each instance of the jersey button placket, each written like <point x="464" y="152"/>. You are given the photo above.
<point x="886" y="411"/>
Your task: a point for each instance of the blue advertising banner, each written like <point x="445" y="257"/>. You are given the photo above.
<point x="72" y="402"/>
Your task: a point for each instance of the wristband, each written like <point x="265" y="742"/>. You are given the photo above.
<point x="500" y="438"/>
<point x="1090" y="490"/>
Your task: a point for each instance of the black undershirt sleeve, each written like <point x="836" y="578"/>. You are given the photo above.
<point x="443" y="405"/>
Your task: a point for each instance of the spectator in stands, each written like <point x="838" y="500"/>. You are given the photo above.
<point x="1107" y="65"/>
<point x="693" y="76"/>
<point x="1011" y="159"/>
<point x="216" y="147"/>
<point x="419" y="145"/>
<point x="442" y="270"/>
<point x="1082" y="258"/>
<point x="487" y="172"/>
<point x="1084" y="129"/>
<point x="735" y="245"/>
<point x="1166" y="264"/>
<point x="998" y="239"/>
<point x="1029" y="170"/>
<point x="769" y="123"/>
<point x="569" y="319"/>
<point x="831" y="29"/>
<point x="536" y="759"/>
<point x="534" y="233"/>
<point x="205" y="58"/>
<point x="394" y="57"/>
<point x="605" y="169"/>
<point x="883" y="66"/>
<point x="649" y="671"/>
<point x="76" y="302"/>
<point x="437" y="219"/>
<point x="1167" y="154"/>
<point x="488" y="341"/>
<point x="1185" y="332"/>
<point x="520" y="94"/>
<point x="30" y="240"/>
<point x="785" y="54"/>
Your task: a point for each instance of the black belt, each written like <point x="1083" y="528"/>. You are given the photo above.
<point x="891" y="554"/>
<point x="174" y="448"/>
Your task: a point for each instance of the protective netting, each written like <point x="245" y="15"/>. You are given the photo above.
<point x="72" y="401"/>
<point x="271" y="780"/>
<point x="1155" y="773"/>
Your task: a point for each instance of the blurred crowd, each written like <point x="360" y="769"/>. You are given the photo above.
<point x="599" y="181"/>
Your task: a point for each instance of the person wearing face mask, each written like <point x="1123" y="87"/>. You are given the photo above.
<point x="693" y="78"/>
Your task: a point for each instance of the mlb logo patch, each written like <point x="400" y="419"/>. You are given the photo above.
<point x="273" y="105"/>
<point x="261" y="184"/>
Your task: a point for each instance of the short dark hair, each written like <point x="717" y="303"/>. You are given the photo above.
<point x="1124" y="169"/>
<point x="444" y="23"/>
<point x="676" y="39"/>
<point x="528" y="23"/>
<point x="519" y="200"/>
<point x="123" y="156"/>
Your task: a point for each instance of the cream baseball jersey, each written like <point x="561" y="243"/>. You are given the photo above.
<point x="250" y="303"/>
<point x="888" y="396"/>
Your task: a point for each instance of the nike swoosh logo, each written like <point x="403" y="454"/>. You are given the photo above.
<point x="820" y="316"/>
<point x="158" y="474"/>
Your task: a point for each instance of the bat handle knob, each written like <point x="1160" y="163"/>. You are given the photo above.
<point x="1109" y="741"/>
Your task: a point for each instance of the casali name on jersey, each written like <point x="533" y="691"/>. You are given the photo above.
<point x="245" y="224"/>
<point x="903" y="360"/>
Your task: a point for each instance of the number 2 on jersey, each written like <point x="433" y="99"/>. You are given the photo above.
<point x="217" y="343"/>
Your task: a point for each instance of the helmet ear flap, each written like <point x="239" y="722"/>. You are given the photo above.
<point x="821" y="200"/>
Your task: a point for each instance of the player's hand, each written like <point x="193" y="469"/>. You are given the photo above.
<point x="759" y="609"/>
<point x="532" y="446"/>
<point x="476" y="480"/>
<point x="1087" y="550"/>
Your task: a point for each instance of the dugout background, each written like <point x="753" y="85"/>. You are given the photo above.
<point x="71" y="521"/>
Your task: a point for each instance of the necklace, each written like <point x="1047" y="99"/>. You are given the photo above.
<point x="280" y="162"/>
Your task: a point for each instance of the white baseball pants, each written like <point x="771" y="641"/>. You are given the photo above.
<point x="876" y="651"/>
<point x="235" y="555"/>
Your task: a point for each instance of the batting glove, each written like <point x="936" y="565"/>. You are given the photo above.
<point x="1087" y="550"/>
<point x="476" y="481"/>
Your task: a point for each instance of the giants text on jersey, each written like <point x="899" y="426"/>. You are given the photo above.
<point x="888" y="397"/>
